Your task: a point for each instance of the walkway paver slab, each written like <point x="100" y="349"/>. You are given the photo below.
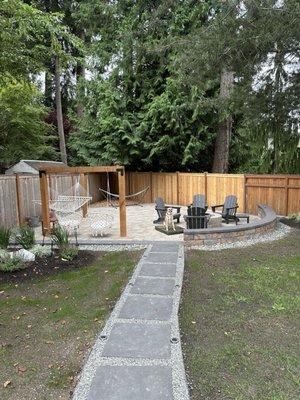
<point x="163" y="270"/>
<point x="153" y="286"/>
<point x="132" y="383"/>
<point x="138" y="341"/>
<point x="151" y="308"/>
<point x="164" y="247"/>
<point x="162" y="257"/>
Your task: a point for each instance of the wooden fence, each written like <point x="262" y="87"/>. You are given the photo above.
<point x="281" y="192"/>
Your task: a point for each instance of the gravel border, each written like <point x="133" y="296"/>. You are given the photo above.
<point x="278" y="233"/>
<point x="95" y="359"/>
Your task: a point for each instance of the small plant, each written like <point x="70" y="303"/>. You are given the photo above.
<point x="4" y="237"/>
<point x="41" y="251"/>
<point x="60" y="237"/>
<point x="4" y="254"/>
<point x="295" y="217"/>
<point x="26" y="237"/>
<point x="68" y="253"/>
<point x="11" y="264"/>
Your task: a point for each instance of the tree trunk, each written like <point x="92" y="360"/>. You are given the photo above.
<point x="59" y="114"/>
<point x="221" y="154"/>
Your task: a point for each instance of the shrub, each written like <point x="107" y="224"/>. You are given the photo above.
<point x="41" y="251"/>
<point x="4" y="237"/>
<point x="4" y="254"/>
<point x="295" y="217"/>
<point x="12" y="264"/>
<point x="26" y="237"/>
<point x="68" y="253"/>
<point x="60" y="237"/>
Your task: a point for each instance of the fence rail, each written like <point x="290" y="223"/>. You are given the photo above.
<point x="281" y="192"/>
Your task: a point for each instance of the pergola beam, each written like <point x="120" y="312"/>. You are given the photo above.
<point x="83" y="170"/>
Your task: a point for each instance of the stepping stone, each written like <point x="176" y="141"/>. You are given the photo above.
<point x="163" y="270"/>
<point x="151" y="308"/>
<point x="162" y="258"/>
<point x="132" y="383"/>
<point x="138" y="341"/>
<point x="164" y="247"/>
<point x="153" y="286"/>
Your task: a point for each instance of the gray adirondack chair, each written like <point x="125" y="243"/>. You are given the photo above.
<point x="229" y="208"/>
<point x="199" y="200"/>
<point x="161" y="209"/>
<point x="196" y="218"/>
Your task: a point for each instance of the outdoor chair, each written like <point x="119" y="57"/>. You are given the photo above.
<point x="161" y="209"/>
<point x="196" y="218"/>
<point x="199" y="200"/>
<point x="229" y="208"/>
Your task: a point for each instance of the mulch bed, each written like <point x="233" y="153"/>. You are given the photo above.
<point x="46" y="266"/>
<point x="290" y="222"/>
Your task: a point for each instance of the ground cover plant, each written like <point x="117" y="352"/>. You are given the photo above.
<point x="48" y="323"/>
<point x="239" y="320"/>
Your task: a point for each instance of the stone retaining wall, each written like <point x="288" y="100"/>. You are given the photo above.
<point x="233" y="233"/>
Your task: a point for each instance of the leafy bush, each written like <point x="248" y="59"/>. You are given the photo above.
<point x="4" y="237"/>
<point x="10" y="264"/>
<point x="26" y="237"/>
<point x="41" y="251"/>
<point x="4" y="254"/>
<point x="60" y="237"/>
<point x="69" y="253"/>
<point x="295" y="217"/>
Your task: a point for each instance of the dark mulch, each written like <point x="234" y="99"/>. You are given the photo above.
<point x="46" y="266"/>
<point x="290" y="222"/>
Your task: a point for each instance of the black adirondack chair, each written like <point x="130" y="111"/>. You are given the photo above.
<point x="161" y="209"/>
<point x="196" y="218"/>
<point x="228" y="209"/>
<point x="199" y="200"/>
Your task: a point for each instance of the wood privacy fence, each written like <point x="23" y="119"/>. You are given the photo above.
<point x="281" y="192"/>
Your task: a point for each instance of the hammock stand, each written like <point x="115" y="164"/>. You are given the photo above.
<point x="110" y="197"/>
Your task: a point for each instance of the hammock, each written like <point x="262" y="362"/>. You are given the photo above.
<point x="69" y="204"/>
<point x="110" y="197"/>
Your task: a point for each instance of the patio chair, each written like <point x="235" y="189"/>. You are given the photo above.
<point x="228" y="209"/>
<point x="199" y="200"/>
<point x="196" y="218"/>
<point x="161" y="209"/>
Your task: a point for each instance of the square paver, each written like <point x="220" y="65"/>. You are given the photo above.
<point x="153" y="308"/>
<point x="163" y="270"/>
<point x="132" y="383"/>
<point x="138" y="341"/>
<point x="164" y="247"/>
<point x="162" y="258"/>
<point x="153" y="286"/>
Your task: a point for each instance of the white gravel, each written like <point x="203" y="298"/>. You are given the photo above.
<point x="281" y="231"/>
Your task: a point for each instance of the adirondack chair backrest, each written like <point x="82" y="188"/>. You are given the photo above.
<point x="198" y="220"/>
<point x="160" y="207"/>
<point x="230" y="201"/>
<point x="199" y="200"/>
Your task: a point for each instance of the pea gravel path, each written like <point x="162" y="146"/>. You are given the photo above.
<point x="138" y="355"/>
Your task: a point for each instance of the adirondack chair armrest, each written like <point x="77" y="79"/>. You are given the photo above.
<point x="173" y="206"/>
<point x="217" y="206"/>
<point x="232" y="208"/>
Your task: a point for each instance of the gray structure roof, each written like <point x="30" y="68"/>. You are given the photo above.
<point x="32" y="166"/>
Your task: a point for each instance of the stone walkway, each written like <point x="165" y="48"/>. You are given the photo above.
<point x="138" y="355"/>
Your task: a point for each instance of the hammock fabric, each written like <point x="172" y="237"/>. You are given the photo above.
<point x="69" y="204"/>
<point x="110" y="197"/>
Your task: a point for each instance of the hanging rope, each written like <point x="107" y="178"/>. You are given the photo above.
<point x="115" y="197"/>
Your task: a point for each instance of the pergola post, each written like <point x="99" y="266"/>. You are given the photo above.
<point x="84" y="185"/>
<point x="122" y="201"/>
<point x="45" y="202"/>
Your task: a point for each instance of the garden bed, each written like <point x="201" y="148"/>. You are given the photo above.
<point x="45" y="266"/>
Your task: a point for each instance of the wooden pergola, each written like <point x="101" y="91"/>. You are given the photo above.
<point x="83" y="172"/>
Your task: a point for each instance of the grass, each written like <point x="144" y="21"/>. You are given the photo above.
<point x="240" y="322"/>
<point x="47" y="326"/>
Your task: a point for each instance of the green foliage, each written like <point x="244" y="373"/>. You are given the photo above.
<point x="23" y="132"/>
<point x="4" y="237"/>
<point x="26" y="237"/>
<point x="11" y="264"/>
<point x="60" y="237"/>
<point x="41" y="251"/>
<point x="68" y="253"/>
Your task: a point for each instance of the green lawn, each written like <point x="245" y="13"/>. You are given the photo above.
<point x="47" y="326"/>
<point x="240" y="322"/>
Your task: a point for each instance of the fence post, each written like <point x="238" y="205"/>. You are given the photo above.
<point x="84" y="184"/>
<point x="286" y="208"/>
<point x="177" y="186"/>
<point x="45" y="202"/>
<point x="205" y="185"/>
<point x="20" y="201"/>
<point x="122" y="202"/>
<point x="151" y="187"/>
<point x="245" y="194"/>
